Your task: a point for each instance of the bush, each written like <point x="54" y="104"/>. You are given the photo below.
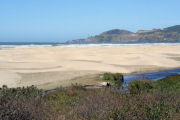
<point x="23" y="109"/>
<point x="22" y="104"/>
<point x="171" y="80"/>
<point x="138" y="86"/>
<point x="104" y="104"/>
<point x="169" y="83"/>
<point x="116" y="78"/>
<point x="14" y="93"/>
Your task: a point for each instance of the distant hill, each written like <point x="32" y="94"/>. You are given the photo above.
<point x="169" y="34"/>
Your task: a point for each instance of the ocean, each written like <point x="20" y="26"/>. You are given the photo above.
<point x="10" y="45"/>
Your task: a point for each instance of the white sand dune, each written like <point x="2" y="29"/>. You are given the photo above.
<point x="52" y="67"/>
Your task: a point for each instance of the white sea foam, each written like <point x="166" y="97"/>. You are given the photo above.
<point x="106" y="45"/>
<point x="78" y="45"/>
<point x="24" y="46"/>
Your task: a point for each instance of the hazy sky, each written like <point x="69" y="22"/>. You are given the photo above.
<point x="61" y="20"/>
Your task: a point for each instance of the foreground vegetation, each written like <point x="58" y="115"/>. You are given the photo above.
<point x="144" y="100"/>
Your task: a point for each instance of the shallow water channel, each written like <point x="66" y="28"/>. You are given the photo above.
<point x="143" y="76"/>
<point x="151" y="75"/>
<point x="146" y="76"/>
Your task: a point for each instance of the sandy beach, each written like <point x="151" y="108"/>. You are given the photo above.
<point x="49" y="68"/>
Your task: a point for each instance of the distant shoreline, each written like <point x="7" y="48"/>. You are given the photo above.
<point x="10" y="45"/>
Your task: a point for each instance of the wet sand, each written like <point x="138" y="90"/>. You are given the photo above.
<point x="61" y="66"/>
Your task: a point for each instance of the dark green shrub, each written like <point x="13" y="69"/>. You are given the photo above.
<point x="14" y="93"/>
<point x="171" y="80"/>
<point x="115" y="78"/>
<point x="169" y="83"/>
<point x="138" y="86"/>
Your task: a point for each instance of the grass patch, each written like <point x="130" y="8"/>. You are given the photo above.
<point x="114" y="78"/>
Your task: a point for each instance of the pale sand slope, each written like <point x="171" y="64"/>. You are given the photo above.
<point x="52" y="67"/>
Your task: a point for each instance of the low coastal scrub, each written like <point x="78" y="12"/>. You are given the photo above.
<point x="14" y="93"/>
<point x="139" y="86"/>
<point x="169" y="83"/>
<point x="21" y="104"/>
<point x="144" y="100"/>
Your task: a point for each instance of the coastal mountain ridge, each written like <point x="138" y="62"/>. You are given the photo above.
<point x="169" y="34"/>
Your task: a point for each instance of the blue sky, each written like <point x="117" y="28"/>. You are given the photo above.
<point x="61" y="20"/>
